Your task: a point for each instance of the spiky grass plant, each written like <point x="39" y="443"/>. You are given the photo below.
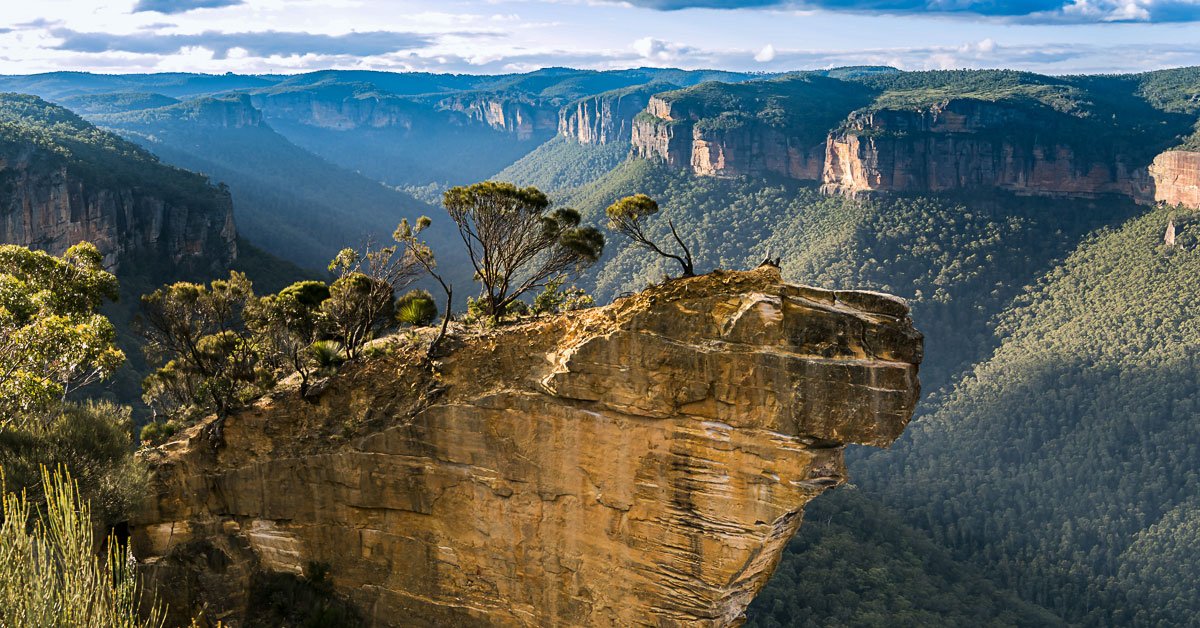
<point x="51" y="574"/>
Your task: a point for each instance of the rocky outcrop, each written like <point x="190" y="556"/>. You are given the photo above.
<point x="639" y="464"/>
<point x="1176" y="178"/>
<point x="339" y="110"/>
<point x="754" y="150"/>
<point x="522" y="118"/>
<point x="606" y="118"/>
<point x="970" y="144"/>
<point x="50" y="208"/>
<point x="663" y="133"/>
<point x="63" y="181"/>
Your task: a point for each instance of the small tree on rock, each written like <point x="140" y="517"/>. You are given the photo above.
<point x="516" y="242"/>
<point x="626" y="217"/>
<point x="362" y="299"/>
<point x="287" y="324"/>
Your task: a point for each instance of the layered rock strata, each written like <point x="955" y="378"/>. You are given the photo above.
<point x="639" y="464"/>
<point x="50" y="206"/>
<point x="605" y="118"/>
<point x="1176" y="177"/>
<point x="959" y="144"/>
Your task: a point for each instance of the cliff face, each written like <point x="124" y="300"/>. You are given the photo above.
<point x="51" y="209"/>
<point x="605" y="118"/>
<point x="968" y="144"/>
<point x="336" y="111"/>
<point x="959" y="144"/>
<point x="1176" y="177"/>
<point x="663" y="133"/>
<point x="754" y="150"/>
<point x="639" y="464"/>
<point x="521" y="118"/>
<point x="62" y="181"/>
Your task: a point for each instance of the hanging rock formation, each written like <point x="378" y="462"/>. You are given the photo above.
<point x="642" y="463"/>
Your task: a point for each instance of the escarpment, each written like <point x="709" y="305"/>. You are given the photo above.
<point x="65" y="181"/>
<point x="643" y="463"/>
<point x="340" y="108"/>
<point x="605" y="118"/>
<point x="970" y="144"/>
<point x="1176" y="178"/>
<point x="954" y="145"/>
<point x="524" y="119"/>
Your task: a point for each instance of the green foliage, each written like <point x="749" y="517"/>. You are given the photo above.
<point x="560" y="165"/>
<point x="91" y="441"/>
<point x="625" y="217"/>
<point x="855" y="563"/>
<point x="555" y="299"/>
<point x="101" y="159"/>
<point x="53" y="340"/>
<point x="1055" y="462"/>
<point x="209" y="360"/>
<point x="51" y="572"/>
<point x="327" y="354"/>
<point x="804" y="106"/>
<point x="157" y="432"/>
<point x="285" y="324"/>
<point x="516" y="242"/>
<point x="416" y="308"/>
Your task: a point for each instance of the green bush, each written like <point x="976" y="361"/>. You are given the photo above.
<point x="51" y="572"/>
<point x="416" y="308"/>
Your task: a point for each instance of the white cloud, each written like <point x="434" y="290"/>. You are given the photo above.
<point x="766" y="55"/>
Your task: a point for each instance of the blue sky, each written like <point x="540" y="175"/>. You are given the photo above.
<point x="492" y="36"/>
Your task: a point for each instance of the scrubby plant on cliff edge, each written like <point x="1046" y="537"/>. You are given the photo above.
<point x="54" y="341"/>
<point x="516" y="242"/>
<point x="626" y="217"/>
<point x="288" y="323"/>
<point x="51" y="572"/>
<point x="209" y="360"/>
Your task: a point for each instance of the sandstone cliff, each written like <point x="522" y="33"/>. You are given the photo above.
<point x="971" y="144"/>
<point x="639" y="464"/>
<point x="607" y="117"/>
<point x="1176" y="177"/>
<point x="523" y="118"/>
<point x="776" y="127"/>
<point x="65" y="181"/>
<point x="339" y="108"/>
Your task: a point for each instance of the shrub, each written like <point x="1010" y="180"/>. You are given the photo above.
<point x="416" y="308"/>
<point x="50" y="571"/>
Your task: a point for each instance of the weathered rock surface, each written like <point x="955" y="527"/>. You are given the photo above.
<point x="958" y="144"/>
<point x="522" y="118"/>
<point x="607" y="117"/>
<point x="1176" y="176"/>
<point x="49" y="204"/>
<point x="969" y="144"/>
<point x="639" y="464"/>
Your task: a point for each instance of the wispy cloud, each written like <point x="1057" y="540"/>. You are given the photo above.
<point x="255" y="44"/>
<point x="181" y="6"/>
<point x="1026" y="11"/>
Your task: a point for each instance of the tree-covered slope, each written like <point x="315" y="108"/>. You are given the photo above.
<point x="856" y="563"/>
<point x="287" y="200"/>
<point x="560" y="165"/>
<point x="1057" y="464"/>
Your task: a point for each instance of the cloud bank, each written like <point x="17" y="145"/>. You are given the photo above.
<point x="1027" y="11"/>
<point x="181" y="6"/>
<point x="255" y="44"/>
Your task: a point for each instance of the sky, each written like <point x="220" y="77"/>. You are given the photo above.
<point x="498" y="36"/>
